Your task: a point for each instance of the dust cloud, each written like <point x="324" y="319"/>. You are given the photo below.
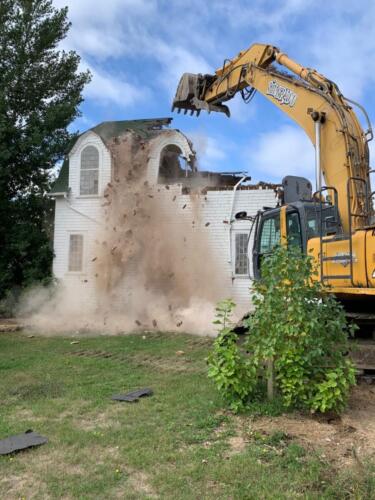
<point x="154" y="266"/>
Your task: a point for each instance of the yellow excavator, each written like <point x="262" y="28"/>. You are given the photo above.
<point x="336" y="223"/>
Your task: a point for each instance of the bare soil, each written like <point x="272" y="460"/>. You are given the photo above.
<point x="8" y="325"/>
<point x="342" y="440"/>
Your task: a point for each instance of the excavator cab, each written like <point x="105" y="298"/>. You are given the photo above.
<point x="301" y="216"/>
<point x="287" y="223"/>
<point x="295" y="223"/>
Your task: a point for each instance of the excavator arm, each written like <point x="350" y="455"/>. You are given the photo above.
<point x="312" y="101"/>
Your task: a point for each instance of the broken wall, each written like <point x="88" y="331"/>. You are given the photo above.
<point x="156" y="255"/>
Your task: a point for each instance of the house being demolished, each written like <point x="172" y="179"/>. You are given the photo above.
<point x="143" y="239"/>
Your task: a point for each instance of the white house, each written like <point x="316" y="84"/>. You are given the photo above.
<point x="80" y="212"/>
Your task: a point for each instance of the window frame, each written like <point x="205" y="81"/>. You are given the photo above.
<point x="83" y="267"/>
<point x="275" y="217"/>
<point x="257" y="255"/>
<point x="241" y="232"/>
<point x="92" y="195"/>
<point x="291" y="213"/>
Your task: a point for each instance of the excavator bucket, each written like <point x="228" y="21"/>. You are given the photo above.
<point x="187" y="95"/>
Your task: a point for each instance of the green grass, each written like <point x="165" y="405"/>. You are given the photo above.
<point x="175" y="444"/>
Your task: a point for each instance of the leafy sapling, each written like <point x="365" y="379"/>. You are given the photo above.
<point x="228" y="367"/>
<point x="297" y="325"/>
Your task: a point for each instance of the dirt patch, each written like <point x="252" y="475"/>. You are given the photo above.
<point x="37" y="390"/>
<point x="102" y="455"/>
<point x="8" y="325"/>
<point x="344" y="440"/>
<point x="140" y="483"/>
<point x="85" y="353"/>
<point x="60" y="462"/>
<point x="199" y="342"/>
<point x="237" y="444"/>
<point x="99" y="421"/>
<point x="30" y="483"/>
<point x="23" y="486"/>
<point x="25" y="415"/>
<point x="177" y="364"/>
<point x="55" y="460"/>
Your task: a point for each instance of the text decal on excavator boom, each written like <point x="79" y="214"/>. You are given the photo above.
<point x="282" y="94"/>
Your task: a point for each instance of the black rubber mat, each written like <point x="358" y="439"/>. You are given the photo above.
<point x="21" y="442"/>
<point x="134" y="395"/>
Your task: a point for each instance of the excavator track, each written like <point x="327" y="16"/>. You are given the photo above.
<point x="362" y="347"/>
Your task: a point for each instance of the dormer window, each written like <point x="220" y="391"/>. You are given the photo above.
<point x="89" y="181"/>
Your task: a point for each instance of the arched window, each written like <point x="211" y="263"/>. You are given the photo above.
<point x="173" y="166"/>
<point x="89" y="182"/>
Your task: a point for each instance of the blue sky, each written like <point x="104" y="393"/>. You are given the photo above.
<point x="138" y="49"/>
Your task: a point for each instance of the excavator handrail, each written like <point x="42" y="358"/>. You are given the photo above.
<point x="369" y="129"/>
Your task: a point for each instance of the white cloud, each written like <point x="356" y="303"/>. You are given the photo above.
<point x="99" y="29"/>
<point x="175" y="61"/>
<point x="285" y="151"/>
<point x="210" y="151"/>
<point x="137" y="33"/>
<point x="105" y="87"/>
<point x="257" y="15"/>
<point x="343" y="51"/>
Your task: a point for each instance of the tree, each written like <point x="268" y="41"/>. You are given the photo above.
<point x="40" y="93"/>
<point x="297" y="327"/>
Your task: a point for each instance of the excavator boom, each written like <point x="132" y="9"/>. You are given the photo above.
<point x="311" y="100"/>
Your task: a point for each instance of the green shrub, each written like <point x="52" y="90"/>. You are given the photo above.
<point x="298" y="326"/>
<point x="233" y="374"/>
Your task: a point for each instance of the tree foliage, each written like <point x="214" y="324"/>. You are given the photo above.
<point x="232" y="372"/>
<point x="298" y="326"/>
<point x="40" y="92"/>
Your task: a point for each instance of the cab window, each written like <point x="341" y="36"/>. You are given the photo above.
<point x="293" y="229"/>
<point x="270" y="234"/>
<point x="312" y="225"/>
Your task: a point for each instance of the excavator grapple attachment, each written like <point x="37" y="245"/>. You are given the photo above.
<point x="188" y="93"/>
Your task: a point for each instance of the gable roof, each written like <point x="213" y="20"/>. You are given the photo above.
<point x="61" y="184"/>
<point x="145" y="128"/>
<point x="106" y="131"/>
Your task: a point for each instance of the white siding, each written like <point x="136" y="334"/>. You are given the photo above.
<point x="215" y="208"/>
<point x="92" y="139"/>
<point x="67" y="221"/>
<point x="83" y="215"/>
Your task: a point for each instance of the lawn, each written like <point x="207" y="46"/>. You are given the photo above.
<point x="178" y="443"/>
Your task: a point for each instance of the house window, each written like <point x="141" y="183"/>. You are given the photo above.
<point x="89" y="183"/>
<point x="241" y="261"/>
<point x="75" y="252"/>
